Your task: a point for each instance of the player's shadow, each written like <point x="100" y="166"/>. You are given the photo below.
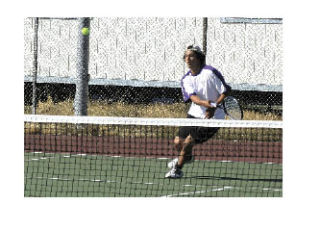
<point x="235" y="179"/>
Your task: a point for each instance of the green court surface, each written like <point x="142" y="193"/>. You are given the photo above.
<point x="80" y="175"/>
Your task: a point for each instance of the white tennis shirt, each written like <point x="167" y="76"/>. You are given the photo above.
<point x="209" y="84"/>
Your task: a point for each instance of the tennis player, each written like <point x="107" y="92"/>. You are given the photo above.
<point x="205" y="87"/>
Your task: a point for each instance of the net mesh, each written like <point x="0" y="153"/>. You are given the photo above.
<point x="128" y="157"/>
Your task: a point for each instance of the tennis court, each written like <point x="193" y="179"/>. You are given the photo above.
<point x="121" y="160"/>
<point x="101" y="176"/>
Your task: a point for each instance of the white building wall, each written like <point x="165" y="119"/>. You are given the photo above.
<point x="150" y="50"/>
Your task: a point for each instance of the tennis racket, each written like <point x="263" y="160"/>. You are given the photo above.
<point x="232" y="108"/>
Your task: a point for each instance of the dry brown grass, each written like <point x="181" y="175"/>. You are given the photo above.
<point x="98" y="108"/>
<point x="177" y="110"/>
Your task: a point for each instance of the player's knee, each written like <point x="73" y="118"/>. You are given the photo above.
<point x="178" y="143"/>
<point x="177" y="140"/>
<point x="189" y="141"/>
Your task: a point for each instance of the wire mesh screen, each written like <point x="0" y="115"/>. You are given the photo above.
<point x="135" y="64"/>
<point x="129" y="157"/>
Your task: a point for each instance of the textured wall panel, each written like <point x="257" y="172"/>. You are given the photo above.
<point x="151" y="49"/>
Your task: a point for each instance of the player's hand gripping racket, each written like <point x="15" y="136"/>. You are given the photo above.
<point x="232" y="108"/>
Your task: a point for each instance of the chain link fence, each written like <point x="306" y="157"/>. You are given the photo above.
<point x="135" y="64"/>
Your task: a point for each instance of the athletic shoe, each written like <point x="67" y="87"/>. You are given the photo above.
<point x="174" y="162"/>
<point x="174" y="173"/>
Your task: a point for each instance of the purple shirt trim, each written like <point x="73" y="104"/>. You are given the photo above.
<point x="185" y="95"/>
<point x="219" y="75"/>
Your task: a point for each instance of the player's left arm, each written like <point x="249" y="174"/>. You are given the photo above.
<point x="220" y="99"/>
<point x="222" y="90"/>
<point x="196" y="99"/>
<point x="210" y="111"/>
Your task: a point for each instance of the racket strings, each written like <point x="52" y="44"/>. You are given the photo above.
<point x="233" y="108"/>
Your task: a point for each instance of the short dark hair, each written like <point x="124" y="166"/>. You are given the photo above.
<point x="199" y="54"/>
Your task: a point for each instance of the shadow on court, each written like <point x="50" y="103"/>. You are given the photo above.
<point x="232" y="178"/>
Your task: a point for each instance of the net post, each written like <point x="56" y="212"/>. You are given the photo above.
<point x="35" y="64"/>
<point x="82" y="77"/>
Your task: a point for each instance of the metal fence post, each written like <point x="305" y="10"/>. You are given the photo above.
<point x="205" y="34"/>
<point x="82" y="78"/>
<point x="35" y="65"/>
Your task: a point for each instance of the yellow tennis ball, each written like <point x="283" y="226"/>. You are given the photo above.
<point x="85" y="31"/>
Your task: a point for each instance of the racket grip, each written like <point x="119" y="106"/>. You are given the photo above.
<point x="213" y="104"/>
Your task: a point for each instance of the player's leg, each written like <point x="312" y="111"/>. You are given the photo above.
<point x="186" y="152"/>
<point x="184" y="156"/>
<point x="183" y="143"/>
<point x="197" y="135"/>
<point x="179" y="142"/>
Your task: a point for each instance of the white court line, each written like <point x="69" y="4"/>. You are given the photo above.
<point x="91" y="180"/>
<point x="68" y="179"/>
<point x="272" y="189"/>
<point x="160" y="158"/>
<point x="41" y="158"/>
<point x="199" y="192"/>
<point x="80" y="155"/>
<point x="44" y="158"/>
<point x="220" y="190"/>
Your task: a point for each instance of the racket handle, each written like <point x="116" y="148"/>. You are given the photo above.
<point x="213" y="104"/>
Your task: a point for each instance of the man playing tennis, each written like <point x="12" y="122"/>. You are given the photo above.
<point x="205" y="87"/>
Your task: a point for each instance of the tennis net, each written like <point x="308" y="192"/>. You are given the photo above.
<point x="127" y="157"/>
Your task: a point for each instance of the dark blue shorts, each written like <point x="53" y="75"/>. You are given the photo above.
<point x="199" y="134"/>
